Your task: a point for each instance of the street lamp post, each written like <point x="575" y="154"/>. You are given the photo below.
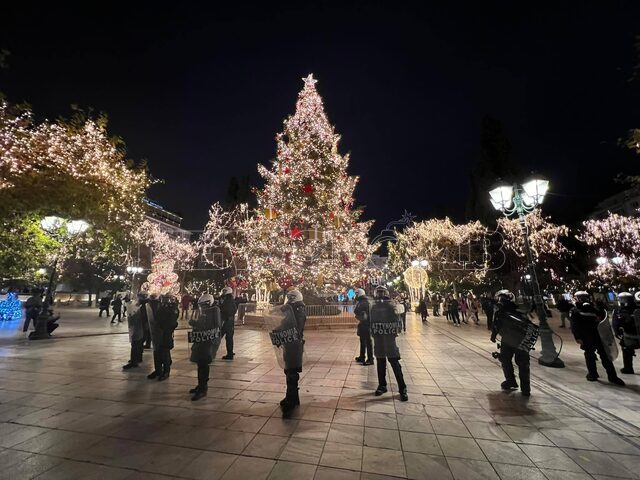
<point x="53" y="226"/>
<point x="520" y="200"/>
<point x="133" y="270"/>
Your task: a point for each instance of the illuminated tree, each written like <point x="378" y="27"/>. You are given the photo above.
<point x="615" y="238"/>
<point x="455" y="253"/>
<point x="165" y="247"/>
<point x="545" y="238"/>
<point x="71" y="169"/>
<point x="306" y="231"/>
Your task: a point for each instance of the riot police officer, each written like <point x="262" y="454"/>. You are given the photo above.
<point x="228" y="308"/>
<point x="205" y="342"/>
<point x="361" y="311"/>
<point x="294" y="319"/>
<point x="385" y="326"/>
<point x="506" y="316"/>
<point x="584" y="318"/>
<point x="624" y="326"/>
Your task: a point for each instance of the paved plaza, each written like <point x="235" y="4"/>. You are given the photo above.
<point x="68" y="411"/>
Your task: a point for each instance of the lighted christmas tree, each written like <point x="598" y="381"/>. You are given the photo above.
<point x="307" y="232"/>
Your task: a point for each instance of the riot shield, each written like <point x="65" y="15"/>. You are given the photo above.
<point x="207" y="330"/>
<point x="518" y="332"/>
<point x="287" y="341"/>
<point x="608" y="339"/>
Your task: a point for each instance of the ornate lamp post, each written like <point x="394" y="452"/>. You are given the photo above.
<point x="133" y="270"/>
<point x="519" y="200"/>
<point x="62" y="230"/>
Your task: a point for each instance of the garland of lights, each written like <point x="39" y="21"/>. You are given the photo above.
<point x="11" y="307"/>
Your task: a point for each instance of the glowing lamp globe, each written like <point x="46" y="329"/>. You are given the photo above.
<point x="76" y="227"/>
<point x="534" y="191"/>
<point x="51" y="223"/>
<point x="501" y="197"/>
<point x="601" y="260"/>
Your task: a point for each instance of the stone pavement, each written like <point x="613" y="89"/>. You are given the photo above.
<point x="68" y="411"/>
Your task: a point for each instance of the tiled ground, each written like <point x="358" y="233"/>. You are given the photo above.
<point x="67" y="411"/>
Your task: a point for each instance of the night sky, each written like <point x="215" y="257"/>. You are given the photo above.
<point x="200" y="92"/>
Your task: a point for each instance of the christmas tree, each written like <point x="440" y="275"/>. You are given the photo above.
<point x="306" y="232"/>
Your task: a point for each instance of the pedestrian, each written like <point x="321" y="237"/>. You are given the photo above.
<point x="361" y="311"/>
<point x="162" y="322"/>
<point x="116" y="305"/>
<point x="488" y="304"/>
<point x="205" y="340"/>
<point x="195" y="309"/>
<point x="464" y="308"/>
<point x="185" y="304"/>
<point x="135" y="319"/>
<point x="584" y="318"/>
<point x="32" y="308"/>
<point x="436" y="300"/>
<point x="241" y="304"/>
<point x="385" y="326"/>
<point x="104" y="306"/>
<point x="474" y="308"/>
<point x="402" y="313"/>
<point x="454" y="308"/>
<point x="228" y="310"/>
<point x="564" y="306"/>
<point x="423" y="309"/>
<point x="625" y="320"/>
<point x="507" y="316"/>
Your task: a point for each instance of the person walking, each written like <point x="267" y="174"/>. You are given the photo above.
<point x="195" y="310"/>
<point x="185" y="304"/>
<point x="385" y="326"/>
<point x="584" y="319"/>
<point x="228" y="310"/>
<point x="436" y="300"/>
<point x="488" y="308"/>
<point x="104" y="306"/>
<point x="454" y="309"/>
<point x="564" y="306"/>
<point x="32" y="308"/>
<point x="402" y="313"/>
<point x="474" y="308"/>
<point x="116" y="305"/>
<point x="625" y="329"/>
<point x="507" y="313"/>
<point x="464" y="307"/>
<point x="423" y="309"/>
<point x="361" y="312"/>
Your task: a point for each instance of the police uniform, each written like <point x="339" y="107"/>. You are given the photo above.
<point x="625" y="328"/>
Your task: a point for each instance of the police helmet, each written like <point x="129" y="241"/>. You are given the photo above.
<point x="637" y="296"/>
<point x="581" y="294"/>
<point x="226" y="291"/>
<point x="294" y="296"/>
<point x="625" y="298"/>
<point x="359" y="292"/>
<point x="504" y="295"/>
<point x="205" y="298"/>
<point x="381" y="291"/>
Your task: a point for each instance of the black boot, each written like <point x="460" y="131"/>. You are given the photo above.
<point x="228" y="356"/>
<point x="194" y="390"/>
<point x="200" y="393"/>
<point x="380" y="390"/>
<point x="403" y="395"/>
<point x="289" y="403"/>
<point x="627" y="360"/>
<point x="360" y="359"/>
<point x="509" y="385"/>
<point x="152" y="375"/>
<point x="129" y="365"/>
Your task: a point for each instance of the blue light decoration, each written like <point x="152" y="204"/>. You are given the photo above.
<point x="11" y="307"/>
<point x="351" y="294"/>
<point x="341" y="297"/>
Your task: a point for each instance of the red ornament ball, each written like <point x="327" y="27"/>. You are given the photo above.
<point x="308" y="188"/>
